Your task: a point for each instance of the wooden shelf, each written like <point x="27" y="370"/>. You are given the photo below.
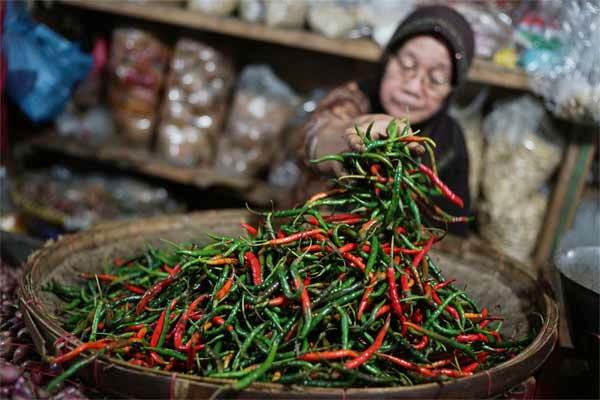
<point x="482" y="71"/>
<point x="149" y="164"/>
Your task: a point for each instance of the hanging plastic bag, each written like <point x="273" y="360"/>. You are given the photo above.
<point x="43" y="66"/>
<point x="471" y="121"/>
<point x="567" y="75"/>
<point x="522" y="152"/>
<point x="262" y="106"/>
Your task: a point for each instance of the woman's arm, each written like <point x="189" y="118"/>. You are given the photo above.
<point x="324" y="133"/>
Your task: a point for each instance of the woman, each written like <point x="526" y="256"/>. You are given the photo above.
<point x="426" y="59"/>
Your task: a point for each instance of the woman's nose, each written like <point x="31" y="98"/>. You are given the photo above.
<point x="414" y="86"/>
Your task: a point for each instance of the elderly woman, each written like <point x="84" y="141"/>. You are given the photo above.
<point x="426" y="59"/>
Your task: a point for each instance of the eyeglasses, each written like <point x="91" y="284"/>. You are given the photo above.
<point x="406" y="66"/>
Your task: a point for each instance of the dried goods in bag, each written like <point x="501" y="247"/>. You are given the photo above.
<point x="195" y="103"/>
<point x="137" y="67"/>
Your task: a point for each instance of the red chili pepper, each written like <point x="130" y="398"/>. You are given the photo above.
<point x="118" y="262"/>
<point x="393" y="292"/>
<point x="167" y="269"/>
<point x="304" y="297"/>
<point x="468" y="338"/>
<point x="382" y="311"/>
<point x="140" y="363"/>
<point x="294" y="237"/>
<point x="348" y="247"/>
<point x="252" y="231"/>
<point x="141" y="333"/>
<point x="133" y="328"/>
<point x="422" y="343"/>
<point x="222" y="260"/>
<point x="280" y="234"/>
<point x="408" y="365"/>
<point x="323" y="195"/>
<point x="154" y="291"/>
<point x="328" y="355"/>
<point x="133" y="288"/>
<point x="312" y="248"/>
<point x="160" y="325"/>
<point x="255" y="267"/>
<point x="218" y="320"/>
<point x="192" y="350"/>
<point x="400" y="230"/>
<point x="453" y="373"/>
<point x="417" y="316"/>
<point x="364" y="301"/>
<point x="471" y="367"/>
<point x="97" y="345"/>
<point x="376" y="171"/>
<point x="449" y="194"/>
<point x="225" y="288"/>
<point x="156" y="359"/>
<point x="451" y="310"/>
<point x="277" y="301"/>
<point x="179" y="329"/>
<point x="364" y="229"/>
<point x="444" y="284"/>
<point x="368" y="353"/>
<point x="356" y="260"/>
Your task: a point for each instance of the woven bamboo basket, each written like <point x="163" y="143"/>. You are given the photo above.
<point x="493" y="280"/>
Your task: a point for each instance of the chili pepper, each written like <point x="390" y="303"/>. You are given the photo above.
<point x="328" y="355"/>
<point x="295" y="237"/>
<point x="364" y="302"/>
<point x="323" y="195"/>
<point x="225" y="288"/>
<point x="222" y="261"/>
<point x="368" y="353"/>
<point x="97" y="345"/>
<point x="252" y="231"/>
<point x="451" y="310"/>
<point x="443" y="188"/>
<point x="441" y="285"/>
<point x="393" y="293"/>
<point x="255" y="267"/>
<point x="357" y="261"/>
<point x="422" y="343"/>
<point x="153" y="292"/>
<point x="408" y="365"/>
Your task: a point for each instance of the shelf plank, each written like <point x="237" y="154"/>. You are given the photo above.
<point x="144" y="162"/>
<point x="482" y="71"/>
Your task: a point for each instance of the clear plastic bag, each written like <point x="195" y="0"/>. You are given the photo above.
<point x="137" y="64"/>
<point x="42" y="66"/>
<point x="569" y="77"/>
<point x="252" y="10"/>
<point x="383" y="16"/>
<point x="334" y="19"/>
<point x="492" y="28"/>
<point x="471" y="121"/>
<point x="522" y="153"/>
<point x="262" y="106"/>
<point x="195" y="103"/>
<point x="286" y="13"/>
<point x="219" y="8"/>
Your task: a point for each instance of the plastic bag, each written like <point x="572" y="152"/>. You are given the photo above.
<point x="383" y="17"/>
<point x="332" y="18"/>
<point x="195" y="104"/>
<point x="252" y="10"/>
<point x="522" y="153"/>
<point x="491" y="27"/>
<point x="568" y="77"/>
<point x="471" y="121"/>
<point x="42" y="66"/>
<point x="137" y="65"/>
<point x="262" y="106"/>
<point x="285" y="13"/>
<point x="220" y="8"/>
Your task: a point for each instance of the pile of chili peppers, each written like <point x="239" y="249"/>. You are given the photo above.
<point x="339" y="292"/>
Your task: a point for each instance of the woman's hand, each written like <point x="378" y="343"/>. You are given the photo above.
<point x="378" y="131"/>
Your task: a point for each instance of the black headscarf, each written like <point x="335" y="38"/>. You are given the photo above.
<point x="454" y="31"/>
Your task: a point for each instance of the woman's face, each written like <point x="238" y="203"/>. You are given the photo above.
<point x="417" y="79"/>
